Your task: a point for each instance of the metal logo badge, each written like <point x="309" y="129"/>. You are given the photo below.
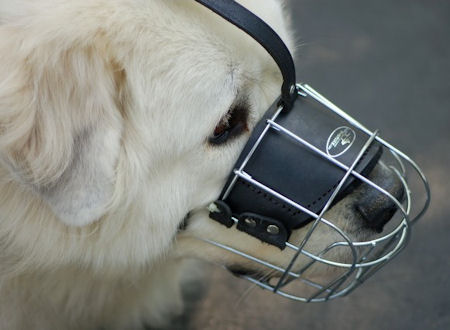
<point x="340" y="141"/>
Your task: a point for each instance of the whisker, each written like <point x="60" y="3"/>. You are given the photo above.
<point x="263" y="277"/>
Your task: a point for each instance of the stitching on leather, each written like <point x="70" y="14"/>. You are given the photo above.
<point x="268" y="197"/>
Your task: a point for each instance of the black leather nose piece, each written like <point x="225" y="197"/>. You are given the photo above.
<point x="376" y="208"/>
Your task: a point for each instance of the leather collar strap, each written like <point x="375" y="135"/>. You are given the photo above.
<point x="266" y="36"/>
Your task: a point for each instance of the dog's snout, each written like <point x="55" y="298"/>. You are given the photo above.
<point x="375" y="207"/>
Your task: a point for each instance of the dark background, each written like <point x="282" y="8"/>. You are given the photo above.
<point x="388" y="63"/>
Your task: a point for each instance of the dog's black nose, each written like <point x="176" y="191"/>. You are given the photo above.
<point x="375" y="207"/>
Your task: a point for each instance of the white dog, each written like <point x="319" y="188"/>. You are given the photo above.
<point x="106" y="110"/>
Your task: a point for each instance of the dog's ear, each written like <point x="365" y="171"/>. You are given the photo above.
<point x="60" y="120"/>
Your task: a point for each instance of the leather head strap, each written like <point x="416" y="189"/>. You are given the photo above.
<point x="266" y="36"/>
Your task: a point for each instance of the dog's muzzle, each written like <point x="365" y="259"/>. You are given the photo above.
<point x="303" y="157"/>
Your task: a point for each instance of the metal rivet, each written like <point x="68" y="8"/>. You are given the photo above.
<point x="293" y="89"/>
<point x="250" y="222"/>
<point x="274" y="230"/>
<point x="213" y="208"/>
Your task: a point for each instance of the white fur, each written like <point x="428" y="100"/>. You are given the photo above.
<point x="105" y="110"/>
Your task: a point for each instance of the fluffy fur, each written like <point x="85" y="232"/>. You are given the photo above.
<point x="105" y="111"/>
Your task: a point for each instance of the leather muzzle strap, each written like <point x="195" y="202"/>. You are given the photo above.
<point x="294" y="171"/>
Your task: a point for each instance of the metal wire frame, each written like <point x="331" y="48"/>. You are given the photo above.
<point x="363" y="265"/>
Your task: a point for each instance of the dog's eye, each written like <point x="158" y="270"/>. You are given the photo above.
<point x="231" y="125"/>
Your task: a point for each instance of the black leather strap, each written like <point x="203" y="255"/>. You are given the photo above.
<point x="294" y="170"/>
<point x="266" y="36"/>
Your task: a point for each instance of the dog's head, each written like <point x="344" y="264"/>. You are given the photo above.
<point x="119" y="118"/>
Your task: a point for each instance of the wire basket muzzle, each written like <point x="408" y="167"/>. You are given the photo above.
<point x="343" y="154"/>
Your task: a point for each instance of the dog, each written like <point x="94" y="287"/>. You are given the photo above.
<point x="107" y="113"/>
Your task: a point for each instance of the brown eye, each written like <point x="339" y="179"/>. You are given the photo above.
<point x="221" y="129"/>
<point x="231" y="125"/>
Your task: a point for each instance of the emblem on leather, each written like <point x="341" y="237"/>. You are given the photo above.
<point x="340" y="141"/>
